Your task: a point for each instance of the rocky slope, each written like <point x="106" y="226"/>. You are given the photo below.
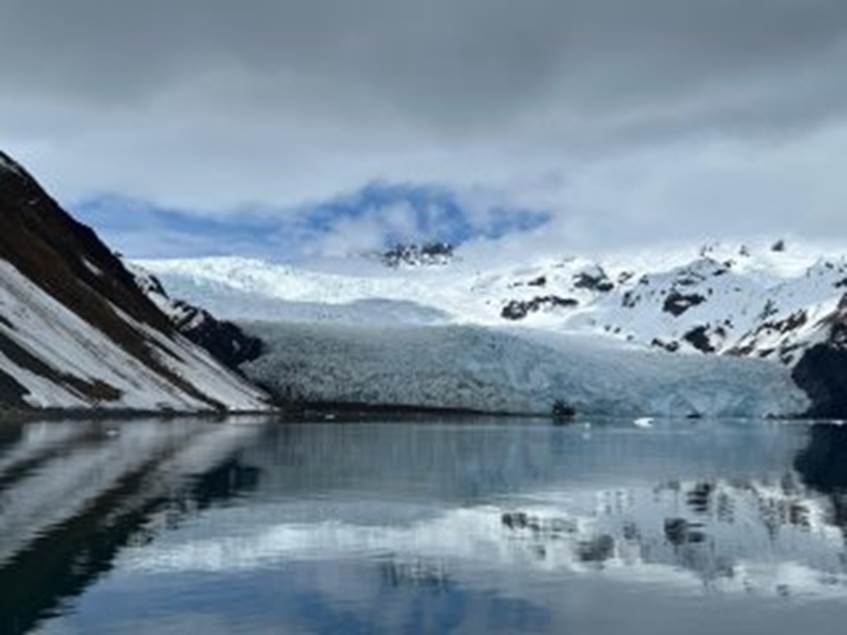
<point x="76" y="332"/>
<point x="224" y="340"/>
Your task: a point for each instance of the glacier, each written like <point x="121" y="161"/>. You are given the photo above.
<point x="473" y="368"/>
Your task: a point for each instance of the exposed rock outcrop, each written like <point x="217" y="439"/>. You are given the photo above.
<point x="519" y="309"/>
<point x="224" y="340"/>
<point x="822" y="369"/>
<point x="428" y="254"/>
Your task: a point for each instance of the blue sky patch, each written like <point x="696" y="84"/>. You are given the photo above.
<point x="377" y="216"/>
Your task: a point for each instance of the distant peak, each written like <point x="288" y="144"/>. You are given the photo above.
<point x="435" y="253"/>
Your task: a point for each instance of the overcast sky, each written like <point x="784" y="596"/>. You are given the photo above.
<point x="607" y="122"/>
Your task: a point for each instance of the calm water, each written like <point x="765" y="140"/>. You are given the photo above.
<point x="430" y="527"/>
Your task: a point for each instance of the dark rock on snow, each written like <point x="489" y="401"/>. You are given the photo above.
<point x="699" y="338"/>
<point x="597" y="281"/>
<point x="432" y="253"/>
<point x="677" y="303"/>
<point x="519" y="309"/>
<point x="670" y="347"/>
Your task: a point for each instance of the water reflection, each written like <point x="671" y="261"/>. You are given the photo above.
<point x="72" y="495"/>
<point x="488" y="526"/>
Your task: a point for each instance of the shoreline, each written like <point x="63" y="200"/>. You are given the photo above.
<point x="329" y="412"/>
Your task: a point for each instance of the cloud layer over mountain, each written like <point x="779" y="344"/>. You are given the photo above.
<point x="622" y="120"/>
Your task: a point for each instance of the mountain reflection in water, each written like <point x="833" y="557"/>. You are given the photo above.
<point x="433" y="526"/>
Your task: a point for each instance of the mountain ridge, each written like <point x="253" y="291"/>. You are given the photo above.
<point x="705" y="305"/>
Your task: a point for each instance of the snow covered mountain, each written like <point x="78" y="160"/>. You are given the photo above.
<point x="429" y="326"/>
<point x="721" y="301"/>
<point x="77" y="332"/>
<point x="771" y="302"/>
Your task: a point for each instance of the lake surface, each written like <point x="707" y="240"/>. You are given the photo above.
<point x="482" y="526"/>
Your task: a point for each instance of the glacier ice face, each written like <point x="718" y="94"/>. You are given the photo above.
<point x="510" y="370"/>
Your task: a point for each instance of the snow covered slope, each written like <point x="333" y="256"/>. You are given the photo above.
<point x="725" y="299"/>
<point x="76" y="332"/>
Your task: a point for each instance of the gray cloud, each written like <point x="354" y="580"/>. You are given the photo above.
<point x="213" y="104"/>
<point x="441" y="60"/>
